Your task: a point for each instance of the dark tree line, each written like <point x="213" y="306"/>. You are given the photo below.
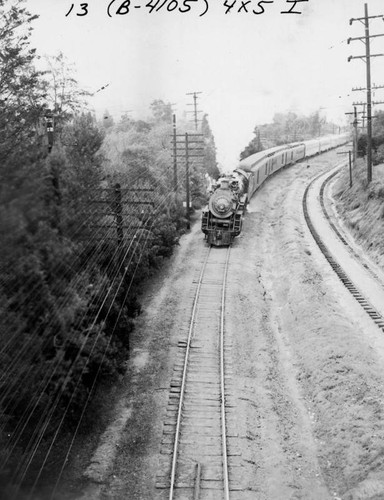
<point x="68" y="284"/>
<point x="286" y="128"/>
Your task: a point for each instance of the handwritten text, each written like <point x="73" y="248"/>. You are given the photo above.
<point x="201" y="7"/>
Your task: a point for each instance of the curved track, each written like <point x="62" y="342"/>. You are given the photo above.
<point x="339" y="270"/>
<point x="196" y="427"/>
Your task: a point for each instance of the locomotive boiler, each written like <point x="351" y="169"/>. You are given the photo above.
<point x="222" y="218"/>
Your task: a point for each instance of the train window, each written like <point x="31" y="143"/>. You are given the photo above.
<point x="266" y="167"/>
<point x="257" y="177"/>
<point x="282" y="159"/>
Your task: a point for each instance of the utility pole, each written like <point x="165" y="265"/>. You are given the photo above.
<point x="196" y="111"/>
<point x="355" y="135"/>
<point x="139" y="197"/>
<point x="363" y="116"/>
<point x="375" y="87"/>
<point x="50" y="128"/>
<point x="364" y="104"/>
<point x="49" y="123"/>
<point x="191" y="146"/>
<point x="367" y="57"/>
<point x="187" y="180"/>
<point x="174" y="155"/>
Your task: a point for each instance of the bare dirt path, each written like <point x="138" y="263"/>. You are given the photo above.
<point x="307" y="366"/>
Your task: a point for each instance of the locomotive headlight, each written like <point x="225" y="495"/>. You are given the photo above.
<point x="221" y="204"/>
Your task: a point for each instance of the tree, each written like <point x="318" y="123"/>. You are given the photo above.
<point x="377" y="139"/>
<point x="286" y="128"/>
<point x="161" y="111"/>
<point x="254" y="146"/>
<point x="82" y="139"/>
<point x="125" y="122"/>
<point x="21" y="90"/>
<point x="210" y="161"/>
<point x="316" y="123"/>
<point x="64" y="96"/>
<point x="108" y="121"/>
<point x="67" y="287"/>
<point x="378" y="125"/>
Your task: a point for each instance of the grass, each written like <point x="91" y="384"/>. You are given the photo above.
<point x="362" y="207"/>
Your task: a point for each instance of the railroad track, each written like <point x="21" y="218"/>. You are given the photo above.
<point x="195" y="439"/>
<point x="372" y="312"/>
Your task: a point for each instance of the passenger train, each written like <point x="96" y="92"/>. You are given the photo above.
<point x="222" y="218"/>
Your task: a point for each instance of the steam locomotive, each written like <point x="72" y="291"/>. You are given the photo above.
<point x="222" y="218"/>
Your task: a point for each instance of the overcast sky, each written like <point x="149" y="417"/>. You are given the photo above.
<point x="247" y="66"/>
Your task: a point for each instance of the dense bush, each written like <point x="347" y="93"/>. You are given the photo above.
<point x="378" y="156"/>
<point x="73" y="257"/>
<point x="377" y="139"/>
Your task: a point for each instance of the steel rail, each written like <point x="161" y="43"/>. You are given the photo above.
<point x="340" y="272"/>
<point x="335" y="229"/>
<point x="222" y="383"/>
<point x="184" y="377"/>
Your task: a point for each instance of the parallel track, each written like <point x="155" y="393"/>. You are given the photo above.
<point x="197" y="427"/>
<point x="342" y="275"/>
